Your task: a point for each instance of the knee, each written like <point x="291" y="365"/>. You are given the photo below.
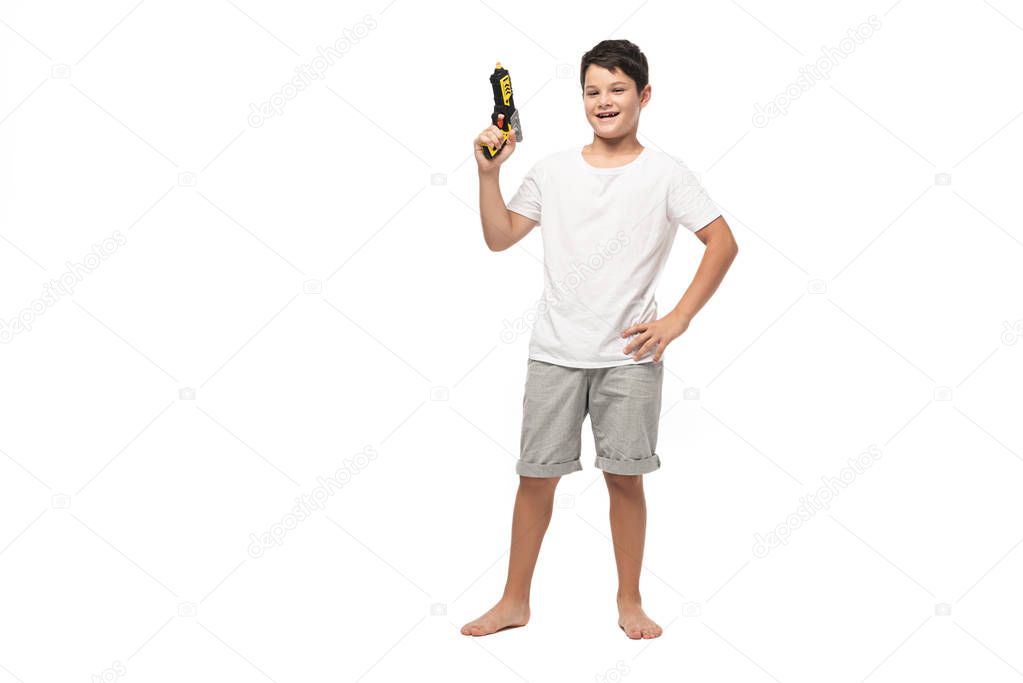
<point x="538" y="484"/>
<point x="624" y="483"/>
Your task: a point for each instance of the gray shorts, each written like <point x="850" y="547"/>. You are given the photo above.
<point x="624" y="405"/>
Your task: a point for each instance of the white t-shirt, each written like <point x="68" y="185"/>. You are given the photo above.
<point x="606" y="235"/>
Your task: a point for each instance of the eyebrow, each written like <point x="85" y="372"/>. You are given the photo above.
<point x="615" y="83"/>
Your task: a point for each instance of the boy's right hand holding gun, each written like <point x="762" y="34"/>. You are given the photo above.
<point x="501" y="228"/>
<point x="492" y="136"/>
<point x="504" y="126"/>
<point x="495" y="143"/>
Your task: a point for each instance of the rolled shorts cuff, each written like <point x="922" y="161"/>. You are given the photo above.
<point x="639" y="466"/>
<point x="531" y="469"/>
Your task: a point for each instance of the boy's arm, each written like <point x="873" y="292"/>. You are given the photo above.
<point x="717" y="258"/>
<point x="654" y="337"/>
<point x="501" y="227"/>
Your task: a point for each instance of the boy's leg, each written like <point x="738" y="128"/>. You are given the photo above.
<point x="625" y="407"/>
<point x="628" y="532"/>
<point x="534" y="505"/>
<point x="553" y="409"/>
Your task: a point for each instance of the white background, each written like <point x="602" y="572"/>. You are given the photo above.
<point x="874" y="303"/>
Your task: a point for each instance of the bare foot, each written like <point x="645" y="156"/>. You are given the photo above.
<point x="505" y="614"/>
<point x="634" y="621"/>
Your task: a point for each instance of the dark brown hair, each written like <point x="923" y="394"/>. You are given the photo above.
<point x="622" y="55"/>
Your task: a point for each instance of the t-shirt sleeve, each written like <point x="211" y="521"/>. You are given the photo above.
<point x="688" y="202"/>
<point x="527" y="199"/>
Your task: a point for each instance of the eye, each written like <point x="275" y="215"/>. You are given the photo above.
<point x="619" y="89"/>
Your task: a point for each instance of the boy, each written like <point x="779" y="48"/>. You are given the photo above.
<point x="609" y="212"/>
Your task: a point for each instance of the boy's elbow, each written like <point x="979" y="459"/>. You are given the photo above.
<point x="733" y="251"/>
<point x="493" y="246"/>
<point x="726" y="243"/>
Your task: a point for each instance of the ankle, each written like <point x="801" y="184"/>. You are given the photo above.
<point x="514" y="600"/>
<point x="629" y="598"/>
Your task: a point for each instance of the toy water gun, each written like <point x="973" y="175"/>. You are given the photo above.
<point x="505" y="116"/>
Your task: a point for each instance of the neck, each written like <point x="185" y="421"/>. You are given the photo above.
<point x="623" y="146"/>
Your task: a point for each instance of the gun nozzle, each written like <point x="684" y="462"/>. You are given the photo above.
<point x="498" y="65"/>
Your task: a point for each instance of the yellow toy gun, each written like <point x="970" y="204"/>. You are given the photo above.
<point x="505" y="115"/>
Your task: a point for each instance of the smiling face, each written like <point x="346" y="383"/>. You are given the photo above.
<point x="612" y="102"/>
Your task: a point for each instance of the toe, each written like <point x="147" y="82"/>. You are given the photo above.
<point x="633" y="631"/>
